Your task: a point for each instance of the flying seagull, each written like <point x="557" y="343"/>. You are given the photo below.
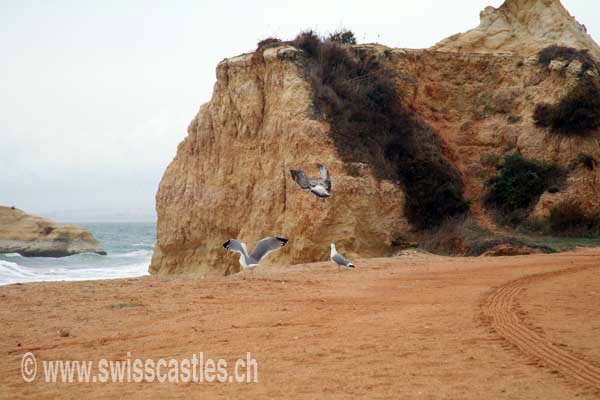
<point x="320" y="187"/>
<point x="339" y="259"/>
<point x="263" y="247"/>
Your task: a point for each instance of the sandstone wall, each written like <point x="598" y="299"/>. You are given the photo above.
<point x="482" y="105"/>
<point x="230" y="178"/>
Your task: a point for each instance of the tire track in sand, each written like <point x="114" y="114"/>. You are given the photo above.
<point x="501" y="311"/>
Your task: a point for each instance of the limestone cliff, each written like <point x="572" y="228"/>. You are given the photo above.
<point x="523" y="27"/>
<point x="34" y="236"/>
<point x="230" y="177"/>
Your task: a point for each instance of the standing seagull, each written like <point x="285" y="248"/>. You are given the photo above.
<point x="339" y="259"/>
<point x="320" y="187"/>
<point x="263" y="247"/>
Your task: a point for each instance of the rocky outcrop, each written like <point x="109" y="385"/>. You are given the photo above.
<point x="230" y="177"/>
<point x="523" y="27"/>
<point x="482" y="105"/>
<point x="33" y="236"/>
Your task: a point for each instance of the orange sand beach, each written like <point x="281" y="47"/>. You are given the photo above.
<point x="412" y="326"/>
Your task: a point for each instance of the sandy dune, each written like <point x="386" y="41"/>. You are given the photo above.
<point x="415" y="326"/>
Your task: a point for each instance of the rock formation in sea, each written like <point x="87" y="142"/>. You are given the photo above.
<point x="477" y="90"/>
<point x="34" y="236"/>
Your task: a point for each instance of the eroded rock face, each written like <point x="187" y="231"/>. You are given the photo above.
<point x="523" y="27"/>
<point x="230" y="178"/>
<point x="33" y="236"/>
<point x="482" y="106"/>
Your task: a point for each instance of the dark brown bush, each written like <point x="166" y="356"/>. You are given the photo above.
<point x="268" y="43"/>
<point x="553" y="189"/>
<point x="543" y="115"/>
<point x="577" y="113"/>
<point x="309" y="42"/>
<point x="449" y="238"/>
<point x="587" y="160"/>
<point x="569" y="219"/>
<point x="550" y="53"/>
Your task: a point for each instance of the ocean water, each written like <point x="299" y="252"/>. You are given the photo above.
<point x="129" y="247"/>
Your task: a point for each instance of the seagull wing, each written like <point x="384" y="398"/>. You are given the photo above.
<point x="300" y="178"/>
<point x="236" y="246"/>
<point x="325" y="175"/>
<point x="340" y="259"/>
<point x="267" y="245"/>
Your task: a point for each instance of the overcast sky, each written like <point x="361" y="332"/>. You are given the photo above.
<point x="96" y="95"/>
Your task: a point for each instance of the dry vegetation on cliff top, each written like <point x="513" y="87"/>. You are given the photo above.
<point x="568" y="54"/>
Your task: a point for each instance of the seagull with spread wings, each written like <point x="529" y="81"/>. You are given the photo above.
<point x="262" y="248"/>
<point x="320" y="187"/>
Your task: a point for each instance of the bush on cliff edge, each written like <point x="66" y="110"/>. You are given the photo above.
<point x="343" y="36"/>
<point x="545" y="56"/>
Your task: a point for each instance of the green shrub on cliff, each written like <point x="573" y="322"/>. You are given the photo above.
<point x="343" y="36"/>
<point x="517" y="187"/>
